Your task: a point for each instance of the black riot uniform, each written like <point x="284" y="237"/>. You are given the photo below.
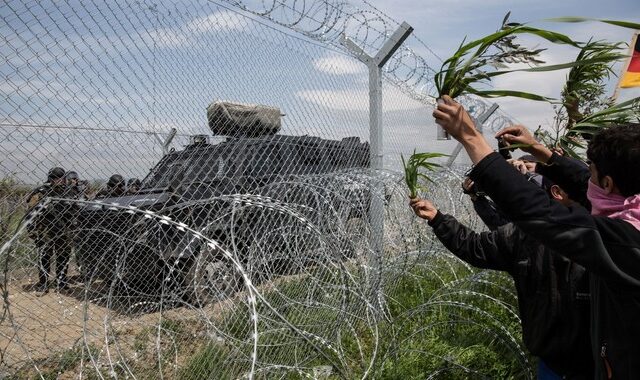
<point x="133" y="186"/>
<point x="115" y="187"/>
<point x="76" y="189"/>
<point x="49" y="228"/>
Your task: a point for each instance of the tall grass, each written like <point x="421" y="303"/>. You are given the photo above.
<point x="12" y="204"/>
<point x="426" y="333"/>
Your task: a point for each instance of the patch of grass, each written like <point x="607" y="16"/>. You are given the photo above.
<point x="172" y="326"/>
<point x="172" y="337"/>
<point x="53" y="367"/>
<point x="465" y="338"/>
<point x="209" y="363"/>
<point x="140" y="341"/>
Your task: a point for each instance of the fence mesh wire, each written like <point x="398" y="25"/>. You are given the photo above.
<point x="243" y="255"/>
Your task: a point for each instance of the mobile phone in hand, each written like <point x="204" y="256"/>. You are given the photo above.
<point x="503" y="148"/>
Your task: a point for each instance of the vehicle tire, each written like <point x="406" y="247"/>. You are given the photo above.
<point x="211" y="278"/>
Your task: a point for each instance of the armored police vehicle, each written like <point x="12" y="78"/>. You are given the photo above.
<point x="118" y="243"/>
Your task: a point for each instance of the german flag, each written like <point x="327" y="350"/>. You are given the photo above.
<point x="631" y="77"/>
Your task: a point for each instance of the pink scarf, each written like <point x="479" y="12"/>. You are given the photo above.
<point x="614" y="205"/>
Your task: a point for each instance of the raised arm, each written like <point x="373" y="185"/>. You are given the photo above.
<point x="483" y="206"/>
<point x="488" y="250"/>
<point x="570" y="174"/>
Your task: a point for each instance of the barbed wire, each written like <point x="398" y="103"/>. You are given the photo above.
<point x="104" y="334"/>
<point x="328" y="21"/>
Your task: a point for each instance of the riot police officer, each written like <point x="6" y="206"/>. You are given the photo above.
<point x="48" y="229"/>
<point x="115" y="187"/>
<point x="76" y="189"/>
<point x="133" y="186"/>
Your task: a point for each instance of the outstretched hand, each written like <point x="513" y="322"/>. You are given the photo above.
<point x="453" y="118"/>
<point x="519" y="135"/>
<point x="520" y="165"/>
<point x="423" y="208"/>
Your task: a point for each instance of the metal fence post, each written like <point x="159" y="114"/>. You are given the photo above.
<point x="479" y="121"/>
<point x="167" y="141"/>
<point x="376" y="206"/>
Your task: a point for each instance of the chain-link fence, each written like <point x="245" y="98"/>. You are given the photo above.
<point x="218" y="224"/>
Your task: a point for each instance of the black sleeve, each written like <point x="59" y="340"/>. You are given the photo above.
<point x="488" y="212"/>
<point x="570" y="174"/>
<point x="571" y="231"/>
<point x="488" y="250"/>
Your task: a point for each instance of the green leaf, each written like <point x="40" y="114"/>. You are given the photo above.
<point x="503" y="93"/>
<point x="412" y="168"/>
<point x="625" y="112"/>
<point x="506" y="18"/>
<point x="421" y="156"/>
<point x="626" y="106"/>
<point x="467" y="65"/>
<point x="478" y="77"/>
<point x="556" y="38"/>
<point x="568" y="65"/>
<point x="624" y="24"/>
<point x="516" y="146"/>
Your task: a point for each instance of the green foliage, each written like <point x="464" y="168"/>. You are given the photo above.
<point x="468" y="66"/>
<point x="586" y="109"/>
<point x="54" y="366"/>
<point x="625" y="112"/>
<point x="10" y="187"/>
<point x="446" y="361"/>
<point x="456" y="339"/>
<point x="12" y="207"/>
<point x="471" y="64"/>
<point x="623" y="24"/>
<point x="585" y="86"/>
<point x="412" y="168"/>
<point x="422" y="337"/>
<point x="207" y="363"/>
<point x="171" y="326"/>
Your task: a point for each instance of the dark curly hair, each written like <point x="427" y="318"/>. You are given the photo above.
<point x="616" y="152"/>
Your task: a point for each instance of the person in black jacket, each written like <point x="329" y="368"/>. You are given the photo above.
<point x="606" y="241"/>
<point x="553" y="298"/>
<point x="116" y="187"/>
<point x="49" y="228"/>
<point x="484" y="207"/>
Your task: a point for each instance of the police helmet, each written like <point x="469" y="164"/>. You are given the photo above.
<point x="55" y="173"/>
<point x="71" y="175"/>
<point x="134" y="182"/>
<point x="115" y="180"/>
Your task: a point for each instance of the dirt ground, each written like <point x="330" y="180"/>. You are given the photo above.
<point x="34" y="327"/>
<point x="37" y="330"/>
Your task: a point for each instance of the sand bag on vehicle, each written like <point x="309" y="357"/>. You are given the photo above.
<point x="243" y="120"/>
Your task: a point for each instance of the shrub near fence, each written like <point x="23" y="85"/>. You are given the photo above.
<point x="12" y="204"/>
